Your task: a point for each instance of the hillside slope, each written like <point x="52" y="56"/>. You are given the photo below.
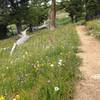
<point x="44" y="68"/>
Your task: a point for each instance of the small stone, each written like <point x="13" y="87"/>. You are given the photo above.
<point x="96" y="76"/>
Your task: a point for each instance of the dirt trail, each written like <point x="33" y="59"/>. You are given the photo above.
<point x="89" y="87"/>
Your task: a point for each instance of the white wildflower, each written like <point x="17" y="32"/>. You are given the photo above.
<point x="49" y="81"/>
<point x="19" y="4"/>
<point x="28" y="6"/>
<point x="4" y="48"/>
<point x="56" y="89"/>
<point x="35" y="66"/>
<point x="32" y="64"/>
<point x="23" y="56"/>
<point x="14" y="1"/>
<point x="7" y="67"/>
<point x="29" y="1"/>
<point x="26" y="53"/>
<point x="52" y="65"/>
<point x="14" y="99"/>
<point x="9" y="5"/>
<point x="60" y="62"/>
<point x="11" y="62"/>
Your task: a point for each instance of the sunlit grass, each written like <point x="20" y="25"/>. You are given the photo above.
<point x="63" y="21"/>
<point x="44" y="68"/>
<point x="94" y="27"/>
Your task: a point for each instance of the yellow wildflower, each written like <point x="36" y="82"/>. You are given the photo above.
<point x="17" y="97"/>
<point x="2" y="98"/>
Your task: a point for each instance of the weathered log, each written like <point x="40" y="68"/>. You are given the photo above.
<point x="23" y="39"/>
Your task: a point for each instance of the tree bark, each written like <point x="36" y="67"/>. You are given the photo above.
<point x="53" y="15"/>
<point x="3" y="31"/>
<point x="72" y="17"/>
<point x="18" y="28"/>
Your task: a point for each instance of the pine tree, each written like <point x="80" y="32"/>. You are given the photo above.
<point x="3" y="19"/>
<point x="74" y="8"/>
<point x="92" y="9"/>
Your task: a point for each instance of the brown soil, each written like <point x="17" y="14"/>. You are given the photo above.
<point x="89" y="87"/>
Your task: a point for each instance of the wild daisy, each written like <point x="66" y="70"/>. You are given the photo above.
<point x="56" y="89"/>
<point x="52" y="65"/>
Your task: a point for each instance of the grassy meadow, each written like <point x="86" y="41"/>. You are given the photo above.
<point x="94" y="28"/>
<point x="43" y="68"/>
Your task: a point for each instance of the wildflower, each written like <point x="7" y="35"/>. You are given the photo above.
<point x="52" y="65"/>
<point x="32" y="64"/>
<point x="56" y="89"/>
<point x="60" y="62"/>
<point x="26" y="53"/>
<point x="4" y="48"/>
<point x="17" y="97"/>
<point x="2" y="98"/>
<point x="7" y="67"/>
<point x="38" y="65"/>
<point x="14" y="2"/>
<point x="49" y="81"/>
<point x="23" y="56"/>
<point x="61" y="53"/>
<point x="14" y="99"/>
<point x="28" y="6"/>
<point x="29" y="1"/>
<point x="11" y="62"/>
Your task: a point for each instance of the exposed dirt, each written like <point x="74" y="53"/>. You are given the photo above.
<point x="89" y="87"/>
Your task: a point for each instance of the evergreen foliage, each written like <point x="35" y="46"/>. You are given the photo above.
<point x="92" y="9"/>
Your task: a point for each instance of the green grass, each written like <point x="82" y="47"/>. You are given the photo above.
<point x="45" y="62"/>
<point x="94" y="28"/>
<point x="62" y="18"/>
<point x="63" y="21"/>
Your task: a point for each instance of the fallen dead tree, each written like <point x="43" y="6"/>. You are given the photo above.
<point x="45" y="25"/>
<point x="23" y="38"/>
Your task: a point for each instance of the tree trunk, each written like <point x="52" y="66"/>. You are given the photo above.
<point x="72" y="17"/>
<point x="18" y="28"/>
<point x="3" y="31"/>
<point x="53" y="15"/>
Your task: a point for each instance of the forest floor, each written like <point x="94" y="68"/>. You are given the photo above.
<point x="89" y="87"/>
